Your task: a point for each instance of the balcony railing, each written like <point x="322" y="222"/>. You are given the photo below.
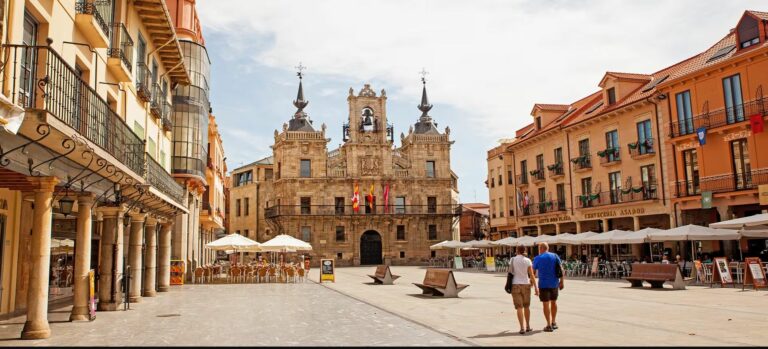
<point x="537" y="175"/>
<point x="543" y="207"/>
<point x="41" y="79"/>
<point x="641" y="149"/>
<point x="609" y="156"/>
<point x="121" y="45"/>
<point x="618" y="196"/>
<point x="720" y="117"/>
<point x="522" y="179"/>
<point x="163" y="181"/>
<point x="582" y="162"/>
<point x="98" y="9"/>
<point x="156" y="105"/>
<point x="143" y="81"/>
<point x="556" y="170"/>
<point x="723" y="183"/>
<point x="167" y="123"/>
<point x="347" y="210"/>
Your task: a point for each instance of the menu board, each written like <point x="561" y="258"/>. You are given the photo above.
<point x="458" y="263"/>
<point x="722" y="272"/>
<point x="490" y="264"/>
<point x="754" y="273"/>
<point x="327" y="270"/>
<point x="177" y="272"/>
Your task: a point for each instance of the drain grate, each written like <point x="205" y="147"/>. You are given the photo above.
<point x="168" y="315"/>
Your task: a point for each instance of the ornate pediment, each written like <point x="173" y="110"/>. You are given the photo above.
<point x="367" y="91"/>
<point x="370" y="166"/>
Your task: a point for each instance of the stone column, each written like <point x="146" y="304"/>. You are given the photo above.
<point x="164" y="258"/>
<point x="636" y="221"/>
<point x="578" y="227"/>
<point x="134" y="256"/>
<point x="150" y="257"/>
<point x="36" y="326"/>
<point x="557" y="228"/>
<point x="111" y="266"/>
<point x="605" y="225"/>
<point x="81" y="285"/>
<point x="538" y="230"/>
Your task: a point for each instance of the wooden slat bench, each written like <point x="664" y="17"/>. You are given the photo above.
<point x="383" y="276"/>
<point x="440" y="282"/>
<point x="656" y="275"/>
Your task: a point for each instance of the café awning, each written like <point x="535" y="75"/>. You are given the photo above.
<point x="693" y="232"/>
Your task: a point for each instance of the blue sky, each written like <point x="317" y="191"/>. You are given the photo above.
<point x="489" y="61"/>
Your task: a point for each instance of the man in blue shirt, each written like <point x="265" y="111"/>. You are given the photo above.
<point x="545" y="265"/>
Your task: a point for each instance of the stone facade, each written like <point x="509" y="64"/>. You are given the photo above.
<point x="311" y="193"/>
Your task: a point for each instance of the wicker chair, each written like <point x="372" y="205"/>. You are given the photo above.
<point x="199" y="275"/>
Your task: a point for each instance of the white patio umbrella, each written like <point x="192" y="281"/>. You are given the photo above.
<point x="760" y="231"/>
<point x="235" y="242"/>
<point x="507" y="241"/>
<point x="549" y="239"/>
<point x="285" y="243"/>
<point x="448" y="244"/>
<point x="482" y="243"/>
<point x="562" y="238"/>
<point x="694" y="232"/>
<point x="526" y="241"/>
<point x="605" y="238"/>
<point x="576" y="239"/>
<point x="738" y="223"/>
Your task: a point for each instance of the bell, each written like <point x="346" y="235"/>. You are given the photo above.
<point x="367" y="121"/>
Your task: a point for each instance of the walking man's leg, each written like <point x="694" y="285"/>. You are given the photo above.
<point x="553" y="313"/>
<point x="547" y="314"/>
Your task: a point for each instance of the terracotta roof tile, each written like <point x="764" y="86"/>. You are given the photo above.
<point x="759" y="14"/>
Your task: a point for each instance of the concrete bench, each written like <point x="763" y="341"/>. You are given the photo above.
<point x="656" y="275"/>
<point x="383" y="276"/>
<point x="440" y="282"/>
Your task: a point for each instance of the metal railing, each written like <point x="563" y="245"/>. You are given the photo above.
<point x="610" y="156"/>
<point x="143" y="82"/>
<point x="163" y="181"/>
<point x="543" y="207"/>
<point x="167" y="122"/>
<point x="347" y="210"/>
<point x="41" y="79"/>
<point x="121" y="45"/>
<point x="522" y="179"/>
<point x="156" y="104"/>
<point x="582" y="162"/>
<point x="537" y="175"/>
<point x="98" y="9"/>
<point x="556" y="169"/>
<point x="618" y="196"/>
<point x="723" y="183"/>
<point x="641" y="148"/>
<point x="720" y="117"/>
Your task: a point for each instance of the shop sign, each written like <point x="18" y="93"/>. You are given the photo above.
<point x="701" y="134"/>
<point x="490" y="263"/>
<point x="722" y="273"/>
<point x="614" y="213"/>
<point x="458" y="263"/>
<point x="327" y="272"/>
<point x="555" y="219"/>
<point x="686" y="146"/>
<point x="736" y="135"/>
<point x="762" y="191"/>
<point x="755" y="275"/>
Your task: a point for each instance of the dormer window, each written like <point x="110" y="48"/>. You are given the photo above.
<point x="611" y="96"/>
<point x="538" y="122"/>
<point x="748" y="32"/>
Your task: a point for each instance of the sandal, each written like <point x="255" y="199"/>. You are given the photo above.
<point x="548" y="329"/>
<point x="528" y="329"/>
<point x="522" y="332"/>
<point x="554" y="326"/>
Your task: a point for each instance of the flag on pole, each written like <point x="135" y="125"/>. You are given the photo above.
<point x="386" y="197"/>
<point x="356" y="199"/>
<point x="370" y="198"/>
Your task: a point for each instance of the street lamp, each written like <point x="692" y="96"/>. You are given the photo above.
<point x="65" y="205"/>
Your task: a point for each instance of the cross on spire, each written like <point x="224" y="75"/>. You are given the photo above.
<point x="423" y="73"/>
<point x="300" y="69"/>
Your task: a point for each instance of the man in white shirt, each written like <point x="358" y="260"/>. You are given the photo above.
<point x="523" y="280"/>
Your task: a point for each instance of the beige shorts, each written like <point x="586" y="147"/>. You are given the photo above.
<point x="521" y="296"/>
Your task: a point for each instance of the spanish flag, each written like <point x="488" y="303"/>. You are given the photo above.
<point x="356" y="199"/>
<point x="370" y="198"/>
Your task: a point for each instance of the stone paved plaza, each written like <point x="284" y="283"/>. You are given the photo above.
<point x="351" y="311"/>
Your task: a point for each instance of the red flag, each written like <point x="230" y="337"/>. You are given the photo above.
<point x="370" y="198"/>
<point x="386" y="198"/>
<point x="757" y="123"/>
<point x="356" y="199"/>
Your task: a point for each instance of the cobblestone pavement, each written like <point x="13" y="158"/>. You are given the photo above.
<point x="591" y="311"/>
<point x="246" y="314"/>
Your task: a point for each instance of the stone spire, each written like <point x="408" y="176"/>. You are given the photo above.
<point x="425" y="124"/>
<point x="300" y="121"/>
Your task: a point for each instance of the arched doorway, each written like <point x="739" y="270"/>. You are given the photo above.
<point x="370" y="248"/>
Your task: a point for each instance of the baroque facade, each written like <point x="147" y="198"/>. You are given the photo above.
<point x="407" y="195"/>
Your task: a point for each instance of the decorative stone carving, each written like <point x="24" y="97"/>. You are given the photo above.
<point x="285" y="127"/>
<point x="351" y="92"/>
<point x="367" y="91"/>
<point x="276" y="133"/>
<point x="447" y="131"/>
<point x="383" y="93"/>
<point x="370" y="166"/>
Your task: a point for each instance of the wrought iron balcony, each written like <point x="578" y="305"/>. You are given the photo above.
<point x="641" y="149"/>
<point x="582" y="163"/>
<point x="364" y="210"/>
<point x="167" y="123"/>
<point x="618" y="196"/>
<point x="610" y="156"/>
<point x="723" y="183"/>
<point x="720" y="117"/>
<point x="159" y="178"/>
<point x="143" y="81"/>
<point x="98" y="9"/>
<point x="121" y="45"/>
<point x="41" y="79"/>
<point x="522" y="179"/>
<point x="543" y="207"/>
<point x="537" y="175"/>
<point x="156" y="104"/>
<point x="556" y="170"/>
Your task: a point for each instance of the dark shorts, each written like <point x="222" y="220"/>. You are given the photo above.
<point x="548" y="294"/>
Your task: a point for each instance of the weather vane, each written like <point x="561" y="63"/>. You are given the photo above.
<point x="423" y="75"/>
<point x="300" y="69"/>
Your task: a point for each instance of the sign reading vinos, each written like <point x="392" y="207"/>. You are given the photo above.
<point x="614" y="213"/>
